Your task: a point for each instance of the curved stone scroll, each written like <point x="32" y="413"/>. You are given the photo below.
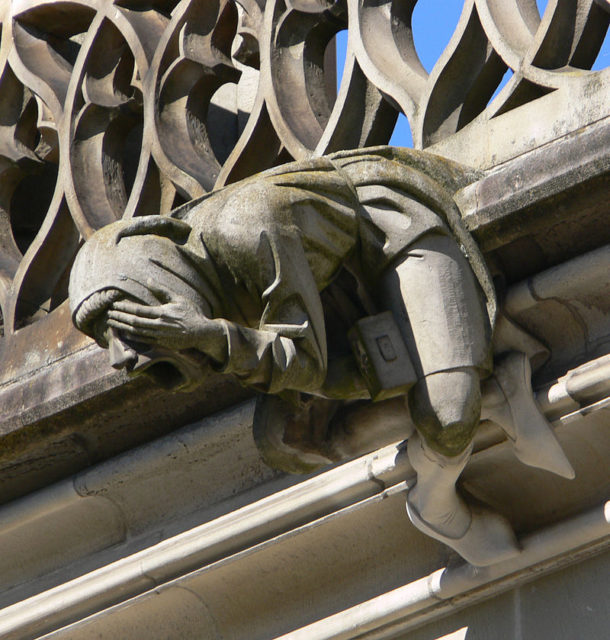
<point x="114" y="109"/>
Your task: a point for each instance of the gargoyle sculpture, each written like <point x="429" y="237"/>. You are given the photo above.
<point x="263" y="279"/>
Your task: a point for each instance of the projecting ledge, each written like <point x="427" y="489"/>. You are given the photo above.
<point x="191" y="477"/>
<point x="532" y="177"/>
<point x="303" y="555"/>
<point x="456" y="587"/>
<point x="544" y="206"/>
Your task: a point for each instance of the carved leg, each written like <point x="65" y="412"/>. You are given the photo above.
<point x="441" y="314"/>
<point x="481" y="536"/>
<point x="445" y="408"/>
<point x="434" y="497"/>
<point x="508" y="400"/>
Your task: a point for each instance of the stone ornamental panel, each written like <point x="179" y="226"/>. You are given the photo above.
<point x="110" y="110"/>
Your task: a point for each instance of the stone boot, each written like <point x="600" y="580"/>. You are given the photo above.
<point x="481" y="536"/>
<point x="508" y="401"/>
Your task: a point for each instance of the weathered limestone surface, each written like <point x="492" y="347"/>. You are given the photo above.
<point x="49" y="378"/>
<point x="340" y="527"/>
<point x="128" y="511"/>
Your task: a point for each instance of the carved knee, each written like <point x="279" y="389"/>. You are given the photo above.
<point x="446" y="407"/>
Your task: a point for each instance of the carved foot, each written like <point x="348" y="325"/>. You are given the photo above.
<point x="482" y="537"/>
<point x="488" y="539"/>
<point x="517" y="413"/>
<point x="291" y="435"/>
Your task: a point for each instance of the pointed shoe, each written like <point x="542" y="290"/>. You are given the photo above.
<point x="488" y="540"/>
<point x="534" y="440"/>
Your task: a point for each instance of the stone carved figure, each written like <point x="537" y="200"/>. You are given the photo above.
<point x="262" y="280"/>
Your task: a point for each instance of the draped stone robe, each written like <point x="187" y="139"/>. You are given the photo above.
<point x="258" y="253"/>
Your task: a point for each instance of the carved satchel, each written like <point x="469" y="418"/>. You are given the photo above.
<point x="382" y="356"/>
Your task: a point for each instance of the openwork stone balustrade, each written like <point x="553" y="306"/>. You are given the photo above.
<point x="113" y="109"/>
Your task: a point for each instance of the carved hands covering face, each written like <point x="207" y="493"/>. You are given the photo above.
<point x="175" y="325"/>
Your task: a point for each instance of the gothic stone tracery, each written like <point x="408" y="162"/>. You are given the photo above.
<point x="110" y="110"/>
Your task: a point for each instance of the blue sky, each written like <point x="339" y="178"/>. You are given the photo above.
<point x="434" y="22"/>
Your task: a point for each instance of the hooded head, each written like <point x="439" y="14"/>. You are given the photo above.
<point x="147" y="260"/>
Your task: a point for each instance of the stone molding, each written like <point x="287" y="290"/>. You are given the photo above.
<point x="243" y="529"/>
<point x="127" y="503"/>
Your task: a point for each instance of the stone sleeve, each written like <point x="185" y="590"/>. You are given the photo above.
<point x="270" y="361"/>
